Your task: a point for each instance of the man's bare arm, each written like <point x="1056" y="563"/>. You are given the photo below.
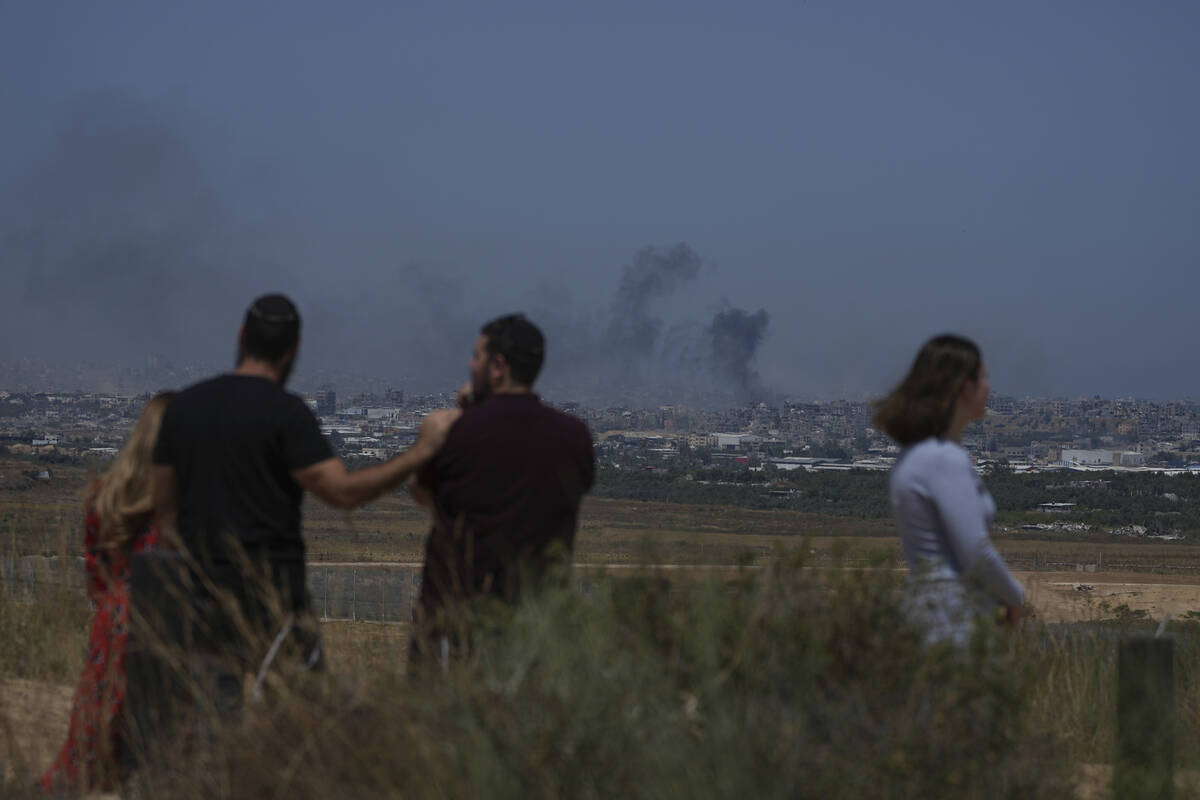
<point x="340" y="488"/>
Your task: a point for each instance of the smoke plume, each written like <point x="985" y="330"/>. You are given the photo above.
<point x="651" y="276"/>
<point x="734" y="336"/>
<point x="135" y="241"/>
<point x="651" y="349"/>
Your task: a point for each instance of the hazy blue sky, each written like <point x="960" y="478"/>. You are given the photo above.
<point x="869" y="173"/>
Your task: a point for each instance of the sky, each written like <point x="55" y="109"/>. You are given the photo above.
<point x="736" y="201"/>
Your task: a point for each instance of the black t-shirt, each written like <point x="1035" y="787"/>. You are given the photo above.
<point x="233" y="441"/>
<point x="507" y="483"/>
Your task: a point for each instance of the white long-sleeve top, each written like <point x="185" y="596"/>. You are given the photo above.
<point x="943" y="513"/>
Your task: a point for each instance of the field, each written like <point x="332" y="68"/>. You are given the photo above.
<point x="1152" y="576"/>
<point x="1082" y="580"/>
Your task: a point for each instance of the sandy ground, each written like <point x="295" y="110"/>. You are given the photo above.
<point x="1094" y="782"/>
<point x="1082" y="596"/>
<point x="33" y="722"/>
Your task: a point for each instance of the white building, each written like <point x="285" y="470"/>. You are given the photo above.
<point x="732" y="441"/>
<point x="1102" y="458"/>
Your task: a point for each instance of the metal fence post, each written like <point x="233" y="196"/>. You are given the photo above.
<point x="354" y="595"/>
<point x="414" y="590"/>
<point x="326" y="593"/>
<point x="1145" y="759"/>
<point x="383" y="601"/>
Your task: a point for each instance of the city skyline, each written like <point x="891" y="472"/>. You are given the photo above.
<point x="1085" y="434"/>
<point x="33" y="376"/>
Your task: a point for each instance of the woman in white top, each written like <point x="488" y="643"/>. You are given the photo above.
<point x="942" y="509"/>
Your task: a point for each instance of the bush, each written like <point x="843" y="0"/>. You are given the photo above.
<point x="795" y="684"/>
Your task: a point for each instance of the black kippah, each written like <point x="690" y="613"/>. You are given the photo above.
<point x="274" y="309"/>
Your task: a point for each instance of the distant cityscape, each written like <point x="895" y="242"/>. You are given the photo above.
<point x="1025" y="434"/>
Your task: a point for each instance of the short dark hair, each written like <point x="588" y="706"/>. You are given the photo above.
<point x="923" y="404"/>
<point x="520" y="342"/>
<point x="271" y="328"/>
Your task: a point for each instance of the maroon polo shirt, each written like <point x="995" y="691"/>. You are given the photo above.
<point x="507" y="482"/>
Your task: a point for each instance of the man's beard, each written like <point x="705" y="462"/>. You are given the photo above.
<point x="479" y="391"/>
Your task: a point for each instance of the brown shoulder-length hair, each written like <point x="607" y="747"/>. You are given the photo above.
<point x="923" y="404"/>
<point x="123" y="497"/>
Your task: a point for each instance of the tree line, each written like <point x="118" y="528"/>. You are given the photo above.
<point x="1161" y="503"/>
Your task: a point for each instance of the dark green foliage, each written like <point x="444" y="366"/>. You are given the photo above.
<point x="856" y="493"/>
<point x="1130" y="499"/>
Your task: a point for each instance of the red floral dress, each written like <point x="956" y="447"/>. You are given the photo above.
<point x="90" y="757"/>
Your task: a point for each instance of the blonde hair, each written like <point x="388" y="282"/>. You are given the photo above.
<point x="124" y="495"/>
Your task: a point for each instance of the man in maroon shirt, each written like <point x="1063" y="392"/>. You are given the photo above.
<point x="504" y="487"/>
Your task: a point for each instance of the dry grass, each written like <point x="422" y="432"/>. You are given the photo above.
<point x="711" y="689"/>
<point x="756" y="687"/>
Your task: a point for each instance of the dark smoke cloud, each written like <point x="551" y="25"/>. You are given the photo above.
<point x="136" y="238"/>
<point x="111" y="232"/>
<point x="734" y="336"/>
<point x="139" y="236"/>
<point x="650" y="277"/>
<point x="651" y="349"/>
<point x="410" y="328"/>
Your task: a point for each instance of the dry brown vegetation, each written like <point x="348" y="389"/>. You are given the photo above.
<point x="1068" y="707"/>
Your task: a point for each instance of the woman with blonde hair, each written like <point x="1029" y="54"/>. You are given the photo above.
<point x="941" y="507"/>
<point x="117" y="522"/>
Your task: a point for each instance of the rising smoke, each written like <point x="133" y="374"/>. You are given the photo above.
<point x="128" y="243"/>
<point x="652" y="276"/>
<point x="647" y="351"/>
<point x="110" y="232"/>
<point x="734" y="336"/>
<point x="136" y="237"/>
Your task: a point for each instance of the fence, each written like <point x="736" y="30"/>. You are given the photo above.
<point x="387" y="593"/>
<point x="366" y="593"/>
<point x="360" y="592"/>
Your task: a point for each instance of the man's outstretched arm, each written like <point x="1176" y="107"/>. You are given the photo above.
<point x="340" y="488"/>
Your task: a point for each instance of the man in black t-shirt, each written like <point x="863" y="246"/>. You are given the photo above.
<point x="234" y="456"/>
<point x="506" y="485"/>
<point x="231" y="444"/>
